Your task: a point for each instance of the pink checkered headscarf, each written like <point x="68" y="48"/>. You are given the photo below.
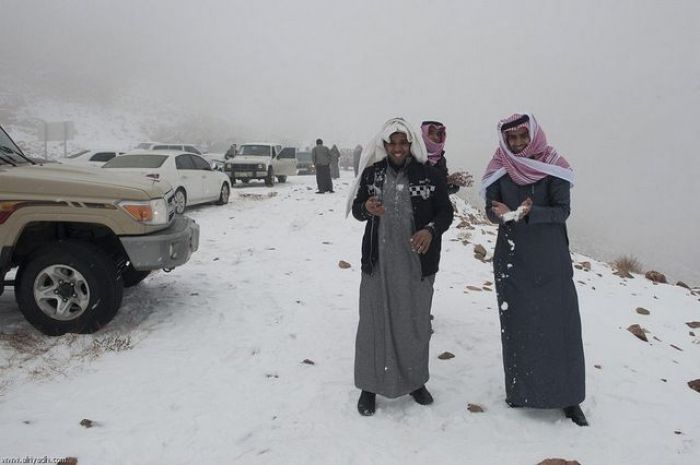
<point x="535" y="162"/>
<point x="435" y="149"/>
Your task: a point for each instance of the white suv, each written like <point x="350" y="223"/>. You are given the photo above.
<point x="262" y="160"/>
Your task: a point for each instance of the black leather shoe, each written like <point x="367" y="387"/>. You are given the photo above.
<point x="366" y="404"/>
<point x="576" y="414"/>
<point x="422" y="396"/>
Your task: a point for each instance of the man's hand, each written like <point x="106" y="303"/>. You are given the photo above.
<point x="499" y="209"/>
<point x="526" y="207"/>
<point x="420" y="241"/>
<point x="374" y="206"/>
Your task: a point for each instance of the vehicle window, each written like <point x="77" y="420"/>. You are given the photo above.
<point x="184" y="162"/>
<point x="175" y="147"/>
<point x="200" y="163"/>
<point x="9" y="152"/>
<point x="136" y="161"/>
<point x="143" y="145"/>
<point x="77" y="154"/>
<point x="255" y="150"/>
<point x="304" y="156"/>
<point x="160" y="147"/>
<point x="192" y="149"/>
<point x="288" y="152"/>
<point x="103" y="156"/>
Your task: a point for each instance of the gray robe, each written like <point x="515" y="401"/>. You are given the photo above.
<point x="540" y="323"/>
<point x="393" y="335"/>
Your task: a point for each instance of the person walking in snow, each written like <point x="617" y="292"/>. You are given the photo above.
<point x="406" y="209"/>
<point x="335" y="162"/>
<point x="321" y="157"/>
<point x="356" y="154"/>
<point x="527" y="191"/>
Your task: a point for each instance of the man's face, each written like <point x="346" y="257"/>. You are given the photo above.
<point x="435" y="134"/>
<point x="398" y="148"/>
<point x="518" y="139"/>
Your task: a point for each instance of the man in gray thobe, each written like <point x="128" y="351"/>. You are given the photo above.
<point x="321" y="157"/>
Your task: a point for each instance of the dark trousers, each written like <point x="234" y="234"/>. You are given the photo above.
<point x="323" y="178"/>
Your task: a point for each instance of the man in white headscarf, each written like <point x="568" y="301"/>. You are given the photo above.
<point x="406" y="209"/>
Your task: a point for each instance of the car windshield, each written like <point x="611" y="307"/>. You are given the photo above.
<point x="77" y="154"/>
<point x="10" y="154"/>
<point x="304" y="156"/>
<point x="136" y="161"/>
<point x="255" y="150"/>
<point x="144" y="145"/>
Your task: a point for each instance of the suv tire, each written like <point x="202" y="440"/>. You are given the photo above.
<point x="62" y="268"/>
<point x="282" y="178"/>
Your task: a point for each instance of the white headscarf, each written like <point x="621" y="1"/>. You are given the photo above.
<point x="374" y="151"/>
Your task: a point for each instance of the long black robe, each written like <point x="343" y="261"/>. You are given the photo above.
<point x="540" y="323"/>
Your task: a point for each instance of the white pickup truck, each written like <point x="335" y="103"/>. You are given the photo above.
<point x="262" y="160"/>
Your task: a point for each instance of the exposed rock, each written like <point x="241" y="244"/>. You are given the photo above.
<point x="694" y="324"/>
<point x="474" y="288"/>
<point x="480" y="252"/>
<point x="343" y="264"/>
<point x="682" y="284"/>
<point x="446" y="356"/>
<point x="488" y="283"/>
<point x="643" y="311"/>
<point x="676" y="347"/>
<point x="638" y="331"/>
<point x="559" y="462"/>
<point x="656" y="277"/>
<point x="694" y="384"/>
<point x="598" y="367"/>
<point x="623" y="274"/>
<point x="475" y="408"/>
<point x="308" y="361"/>
<point x="586" y="266"/>
<point x="87" y="423"/>
<point x="69" y="461"/>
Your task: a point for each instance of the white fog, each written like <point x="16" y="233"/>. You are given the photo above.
<point x="615" y="86"/>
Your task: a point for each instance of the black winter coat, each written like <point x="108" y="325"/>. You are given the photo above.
<point x="441" y="166"/>
<point x="432" y="210"/>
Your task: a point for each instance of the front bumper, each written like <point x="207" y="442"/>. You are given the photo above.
<point x="168" y="248"/>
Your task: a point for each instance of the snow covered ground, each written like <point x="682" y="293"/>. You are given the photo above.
<point x="207" y="364"/>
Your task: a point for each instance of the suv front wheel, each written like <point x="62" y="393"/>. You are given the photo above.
<point x="68" y="287"/>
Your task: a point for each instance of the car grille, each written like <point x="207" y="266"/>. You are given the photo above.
<point x="244" y="167"/>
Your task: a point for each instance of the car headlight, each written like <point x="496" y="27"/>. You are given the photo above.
<point x="228" y="166"/>
<point x="153" y="212"/>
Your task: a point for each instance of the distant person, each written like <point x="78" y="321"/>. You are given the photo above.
<point x="406" y="209"/>
<point x="356" y="154"/>
<point x="231" y="152"/>
<point x="321" y="158"/>
<point x="526" y="187"/>
<point x="335" y="158"/>
<point x="434" y="135"/>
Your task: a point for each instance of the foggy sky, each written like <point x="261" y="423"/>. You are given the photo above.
<point x="615" y="85"/>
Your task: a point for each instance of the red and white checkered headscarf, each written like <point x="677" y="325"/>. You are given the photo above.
<point x="535" y="162"/>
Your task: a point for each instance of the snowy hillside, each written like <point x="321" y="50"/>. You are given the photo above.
<point x="245" y="355"/>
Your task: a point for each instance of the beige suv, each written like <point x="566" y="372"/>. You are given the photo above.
<point x="78" y="236"/>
